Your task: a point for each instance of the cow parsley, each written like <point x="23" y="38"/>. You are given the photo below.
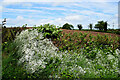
<point x="34" y="49"/>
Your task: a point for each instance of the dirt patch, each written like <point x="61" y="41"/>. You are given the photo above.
<point x="89" y="32"/>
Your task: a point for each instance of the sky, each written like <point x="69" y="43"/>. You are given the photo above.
<point x="39" y="12"/>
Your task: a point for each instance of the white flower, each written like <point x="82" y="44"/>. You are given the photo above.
<point x="34" y="50"/>
<point x="117" y="51"/>
<point x="110" y="57"/>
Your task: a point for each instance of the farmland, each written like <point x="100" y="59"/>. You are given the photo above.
<point x="47" y="52"/>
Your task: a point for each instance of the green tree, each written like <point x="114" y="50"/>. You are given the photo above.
<point x="67" y="26"/>
<point x="79" y="26"/>
<point x="105" y="26"/>
<point x="101" y="25"/>
<point x="24" y="26"/>
<point x="90" y="26"/>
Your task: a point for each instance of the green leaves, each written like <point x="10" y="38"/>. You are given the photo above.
<point x="9" y="34"/>
<point x="49" y="31"/>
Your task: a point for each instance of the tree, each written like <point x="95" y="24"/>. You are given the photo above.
<point x="3" y="23"/>
<point x="101" y="25"/>
<point x="105" y="26"/>
<point x="24" y="26"/>
<point x="79" y="26"/>
<point x="90" y="26"/>
<point x="67" y="26"/>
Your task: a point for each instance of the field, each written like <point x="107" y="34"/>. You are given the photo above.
<point x="90" y="32"/>
<point x="47" y="52"/>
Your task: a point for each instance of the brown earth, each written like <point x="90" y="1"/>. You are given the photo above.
<point x="90" y="32"/>
<point x="93" y="33"/>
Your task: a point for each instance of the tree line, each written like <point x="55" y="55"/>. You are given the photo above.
<point x="101" y="25"/>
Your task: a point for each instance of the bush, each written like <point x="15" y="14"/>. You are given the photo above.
<point x="49" y="31"/>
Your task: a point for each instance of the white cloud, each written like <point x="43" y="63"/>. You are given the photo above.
<point x="20" y="20"/>
<point x="22" y="10"/>
<point x="27" y="4"/>
<point x="1" y="8"/>
<point x="106" y="7"/>
<point x="97" y="14"/>
<point x="50" y="8"/>
<point x="60" y="1"/>
<point x="74" y="17"/>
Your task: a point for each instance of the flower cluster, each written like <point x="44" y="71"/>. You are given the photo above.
<point x="34" y="49"/>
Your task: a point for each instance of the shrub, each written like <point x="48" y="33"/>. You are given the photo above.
<point x="33" y="46"/>
<point x="49" y="31"/>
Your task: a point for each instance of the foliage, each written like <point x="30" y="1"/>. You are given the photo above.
<point x="8" y="34"/>
<point x="49" y="31"/>
<point x="105" y="26"/>
<point x="79" y="26"/>
<point x="101" y="25"/>
<point x="78" y="40"/>
<point x="24" y="26"/>
<point x="67" y="26"/>
<point x="90" y="26"/>
<point x="10" y="69"/>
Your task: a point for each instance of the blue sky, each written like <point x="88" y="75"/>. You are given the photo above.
<point x="59" y="13"/>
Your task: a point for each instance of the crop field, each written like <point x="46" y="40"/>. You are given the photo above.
<point x="48" y="52"/>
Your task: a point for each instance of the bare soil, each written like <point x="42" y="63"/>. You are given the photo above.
<point x="89" y="32"/>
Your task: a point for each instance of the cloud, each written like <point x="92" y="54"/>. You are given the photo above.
<point x="22" y="10"/>
<point x="50" y="8"/>
<point x="1" y="8"/>
<point x="106" y="7"/>
<point x="60" y="1"/>
<point x="73" y="17"/>
<point x="20" y="20"/>
<point x="27" y="5"/>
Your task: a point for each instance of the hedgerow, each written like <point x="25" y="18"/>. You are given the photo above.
<point x="38" y="55"/>
<point x="33" y="55"/>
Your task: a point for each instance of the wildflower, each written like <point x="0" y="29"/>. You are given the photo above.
<point x="110" y="57"/>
